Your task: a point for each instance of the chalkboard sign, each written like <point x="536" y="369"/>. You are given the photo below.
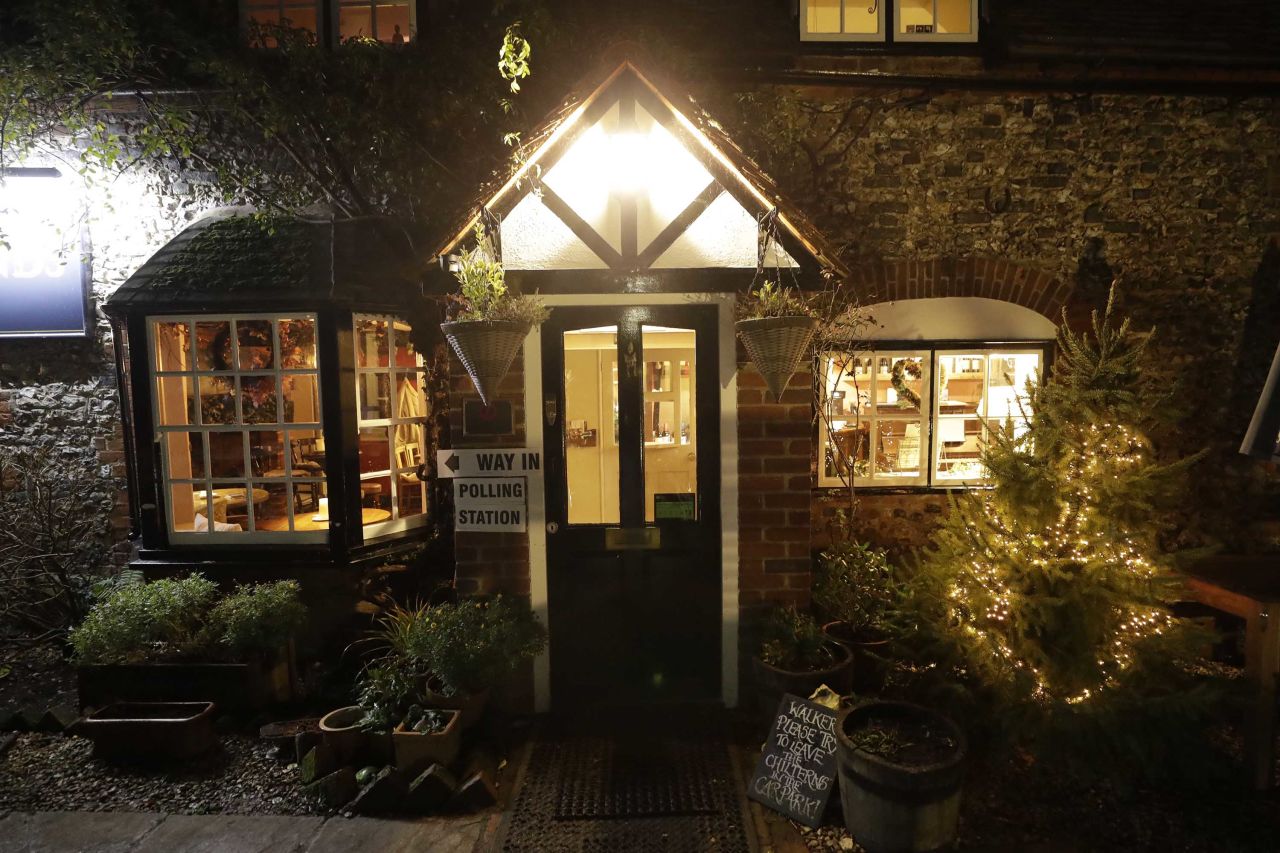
<point x="797" y="769"/>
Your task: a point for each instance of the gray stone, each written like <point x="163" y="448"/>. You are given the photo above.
<point x="337" y="789"/>
<point x="58" y="719"/>
<point x="231" y="834"/>
<point x="304" y="742"/>
<point x="83" y="832"/>
<point x="384" y="794"/>
<point x="317" y="763"/>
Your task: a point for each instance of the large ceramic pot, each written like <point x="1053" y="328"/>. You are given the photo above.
<point x="771" y="682"/>
<point x="340" y="730"/>
<point x="869" y="651"/>
<point x="777" y="346"/>
<point x="908" y="803"/>
<point x="486" y="349"/>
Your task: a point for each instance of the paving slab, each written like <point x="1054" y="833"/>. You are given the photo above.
<point x="231" y="834"/>
<point x="438" y="835"/>
<point x="63" y="832"/>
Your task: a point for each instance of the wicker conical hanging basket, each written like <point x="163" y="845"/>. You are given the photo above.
<point x="777" y="345"/>
<point x="486" y="350"/>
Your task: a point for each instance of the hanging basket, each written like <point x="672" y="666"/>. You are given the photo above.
<point x="777" y="345"/>
<point x="486" y="350"/>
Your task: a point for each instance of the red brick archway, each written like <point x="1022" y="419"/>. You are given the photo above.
<point x="884" y="281"/>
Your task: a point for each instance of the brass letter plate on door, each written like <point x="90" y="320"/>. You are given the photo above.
<point x="632" y="538"/>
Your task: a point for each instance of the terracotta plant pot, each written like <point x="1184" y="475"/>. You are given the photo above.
<point x="146" y="731"/>
<point x="906" y="805"/>
<point x="486" y="350"/>
<point x="772" y="682"/>
<point x="470" y="706"/>
<point x="341" y="731"/>
<point x="777" y="346"/>
<point x="868" y="648"/>
<point x="416" y="751"/>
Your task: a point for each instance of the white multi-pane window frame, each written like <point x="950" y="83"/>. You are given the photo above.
<point x="900" y="34"/>
<point x="383" y="30"/>
<point x="935" y="428"/>
<point x="830" y="20"/>
<point x="208" y="483"/>
<point x="398" y="476"/>
<point x="842" y="13"/>
<point x="300" y="13"/>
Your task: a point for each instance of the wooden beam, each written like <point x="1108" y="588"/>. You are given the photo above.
<point x="679" y="225"/>
<point x="582" y="229"/>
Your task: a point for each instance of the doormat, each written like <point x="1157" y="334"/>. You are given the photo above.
<point x="662" y="782"/>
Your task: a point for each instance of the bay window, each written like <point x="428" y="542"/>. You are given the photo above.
<point x="919" y="416"/>
<point x="237" y="414"/>
<point x="889" y="20"/>
<point x="391" y="414"/>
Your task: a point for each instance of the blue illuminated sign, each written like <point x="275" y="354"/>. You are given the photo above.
<point x="44" y="269"/>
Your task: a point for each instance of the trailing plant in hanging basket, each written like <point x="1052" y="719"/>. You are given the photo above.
<point x="776" y="326"/>
<point x="488" y="322"/>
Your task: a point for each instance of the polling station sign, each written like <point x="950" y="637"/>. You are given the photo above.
<point x="490" y="504"/>
<point x="495" y="462"/>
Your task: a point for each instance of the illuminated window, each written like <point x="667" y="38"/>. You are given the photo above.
<point x="391" y="411"/>
<point x="237" y="410"/>
<point x="912" y="20"/>
<point x="388" y="21"/>
<point x="296" y="14"/>
<point x="919" y="417"/>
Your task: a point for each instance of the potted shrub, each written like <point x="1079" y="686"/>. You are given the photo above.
<point x="180" y="639"/>
<point x="776" y="326"/>
<point x="796" y="657"/>
<point x="901" y="768"/>
<point x="855" y="589"/>
<point x="488" y="323"/>
<point x="468" y="646"/>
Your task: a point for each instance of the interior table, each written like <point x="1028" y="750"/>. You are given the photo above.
<point x="1249" y="587"/>
<point x="233" y="498"/>
<point x="307" y="521"/>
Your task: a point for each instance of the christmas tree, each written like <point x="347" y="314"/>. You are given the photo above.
<point x="1051" y="585"/>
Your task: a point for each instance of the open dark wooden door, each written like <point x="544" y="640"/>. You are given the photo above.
<point x="631" y="418"/>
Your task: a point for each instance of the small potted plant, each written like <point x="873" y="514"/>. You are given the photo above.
<point x="488" y="323"/>
<point x="901" y="769"/>
<point x="855" y="589"/>
<point x="468" y="646"/>
<point x="776" y="326"/>
<point x="179" y="639"/>
<point x="796" y="657"/>
<point x="426" y="736"/>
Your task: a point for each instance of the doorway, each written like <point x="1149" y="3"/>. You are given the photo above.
<point x="632" y="468"/>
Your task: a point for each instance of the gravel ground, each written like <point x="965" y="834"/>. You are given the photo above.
<point x="35" y="674"/>
<point x="52" y="772"/>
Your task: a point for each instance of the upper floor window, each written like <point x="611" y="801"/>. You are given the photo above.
<point x="889" y="20"/>
<point x="388" y="21"/>
<point x="295" y="14"/>
<point x="919" y="417"/>
<point x="237" y="414"/>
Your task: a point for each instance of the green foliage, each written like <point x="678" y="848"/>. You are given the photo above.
<point x="793" y="640"/>
<point x="772" y="299"/>
<point x="137" y="622"/>
<point x="513" y="57"/>
<point x="255" y="619"/>
<point x="144" y="621"/>
<point x="1048" y="590"/>
<point x="387" y="690"/>
<point x="470" y="645"/>
<point x="855" y="583"/>
<point x="484" y="295"/>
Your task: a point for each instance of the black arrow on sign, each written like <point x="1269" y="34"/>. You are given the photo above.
<point x="452" y="463"/>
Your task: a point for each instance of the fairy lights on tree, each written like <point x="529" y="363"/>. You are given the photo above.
<point x="1052" y="581"/>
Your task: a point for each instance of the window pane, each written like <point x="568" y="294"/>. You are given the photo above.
<point x="301" y="398"/>
<point x="375" y="396"/>
<point x="273" y="513"/>
<point x="850" y="450"/>
<point x="862" y="16"/>
<point x="670" y="423"/>
<point x="406" y="355"/>
<point x="182" y="507"/>
<point x="185" y="454"/>
<point x="226" y="454"/>
<point x="355" y="21"/>
<point x="375" y="451"/>
<point x="961" y="383"/>
<point x="409" y="447"/>
<point x="375" y="499"/>
<point x="393" y="22"/>
<point x="411" y="496"/>
<point x="1007" y="385"/>
<point x="897" y="449"/>
<point x="297" y="343"/>
<point x="955" y="16"/>
<point x="175" y="400"/>
<point x="959" y="448"/>
<point x="915" y="16"/>
<point x="230" y="505"/>
<point x="590" y="423"/>
<point x="173" y="346"/>
<point x="899" y="384"/>
<point x="258" y="395"/>
<point x="217" y="400"/>
<point x="371" y="342"/>
<point x="213" y="345"/>
<point x="267" y="454"/>
<point x="823" y="16"/>
<point x="307" y="452"/>
<point x="256" y="344"/>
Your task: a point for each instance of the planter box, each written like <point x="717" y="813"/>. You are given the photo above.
<point x="416" y="751"/>
<point x="147" y="731"/>
<point x="233" y="686"/>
